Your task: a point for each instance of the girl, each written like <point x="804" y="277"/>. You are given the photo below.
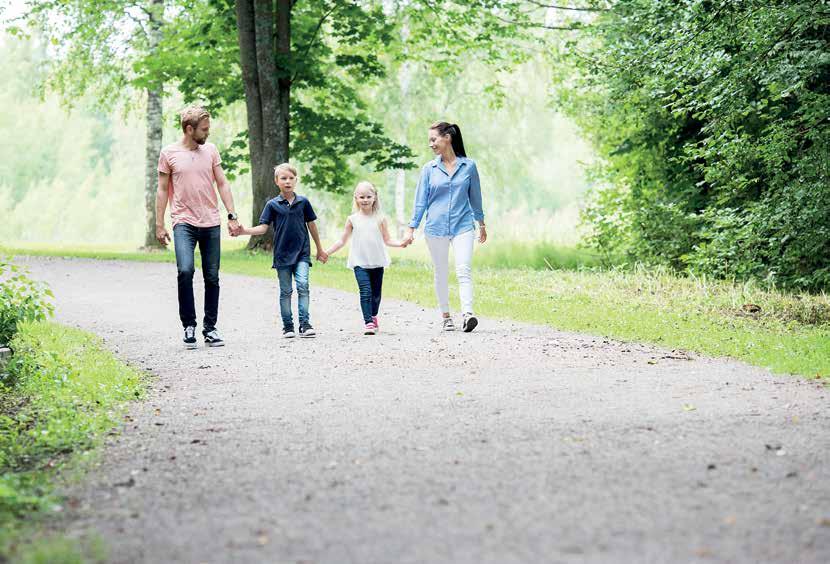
<point x="367" y="255"/>
<point x="449" y="192"/>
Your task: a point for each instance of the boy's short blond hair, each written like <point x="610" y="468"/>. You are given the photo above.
<point x="285" y="166"/>
<point x="192" y="115"/>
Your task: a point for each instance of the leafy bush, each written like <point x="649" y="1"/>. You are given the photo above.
<point x="62" y="393"/>
<point x="712" y="121"/>
<point x="21" y="299"/>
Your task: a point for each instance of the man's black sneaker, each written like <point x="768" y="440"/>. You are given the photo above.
<point x="212" y="339"/>
<point x="306" y="330"/>
<point x="189" y="337"/>
<point x="288" y="333"/>
<point x="470" y="322"/>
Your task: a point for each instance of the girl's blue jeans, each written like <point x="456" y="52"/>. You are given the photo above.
<point x="369" y="282"/>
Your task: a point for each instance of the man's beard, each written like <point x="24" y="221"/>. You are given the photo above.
<point x="200" y="141"/>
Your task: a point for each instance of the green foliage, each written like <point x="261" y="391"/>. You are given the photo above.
<point x="21" y="299"/>
<point x="712" y="119"/>
<point x="62" y="393"/>
<point x="334" y="52"/>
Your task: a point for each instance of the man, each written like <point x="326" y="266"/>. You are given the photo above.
<point x="187" y="173"/>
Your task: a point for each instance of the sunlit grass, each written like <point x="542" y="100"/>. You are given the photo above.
<point x="62" y="392"/>
<point x="780" y="331"/>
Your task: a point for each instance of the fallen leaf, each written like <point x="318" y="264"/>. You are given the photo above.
<point x="688" y="407"/>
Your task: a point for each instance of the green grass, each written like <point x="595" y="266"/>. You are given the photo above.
<point x="63" y="391"/>
<point x="788" y="333"/>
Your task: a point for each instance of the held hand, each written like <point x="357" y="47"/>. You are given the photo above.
<point x="322" y="257"/>
<point x="162" y="235"/>
<point x="482" y="234"/>
<point x="408" y="236"/>
<point x="235" y="228"/>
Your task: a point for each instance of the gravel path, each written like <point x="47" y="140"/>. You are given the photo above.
<point x="515" y="443"/>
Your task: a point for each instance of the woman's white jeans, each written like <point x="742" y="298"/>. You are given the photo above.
<point x="462" y="246"/>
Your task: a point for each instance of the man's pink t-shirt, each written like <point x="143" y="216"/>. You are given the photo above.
<point x="192" y="195"/>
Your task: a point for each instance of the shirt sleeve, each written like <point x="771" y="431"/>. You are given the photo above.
<point x="267" y="216"/>
<point x="421" y="198"/>
<point x="308" y="212"/>
<point x="216" y="158"/>
<point x="475" y="194"/>
<point x="164" y="164"/>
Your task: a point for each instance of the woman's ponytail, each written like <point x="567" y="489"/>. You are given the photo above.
<point x="451" y="129"/>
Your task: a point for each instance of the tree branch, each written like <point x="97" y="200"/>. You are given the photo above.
<point x="555" y="7"/>
<point x="314" y="37"/>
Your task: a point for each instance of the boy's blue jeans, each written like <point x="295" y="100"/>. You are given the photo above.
<point x="299" y="272"/>
<point x="369" y="282"/>
<point x="185" y="238"/>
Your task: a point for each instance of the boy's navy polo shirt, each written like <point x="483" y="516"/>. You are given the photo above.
<point x="291" y="240"/>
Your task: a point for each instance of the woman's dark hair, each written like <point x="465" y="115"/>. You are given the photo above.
<point x="451" y="129"/>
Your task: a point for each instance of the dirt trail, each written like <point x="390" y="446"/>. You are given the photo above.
<point x="514" y="443"/>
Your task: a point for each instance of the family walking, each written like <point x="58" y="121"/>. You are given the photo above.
<point x="448" y="198"/>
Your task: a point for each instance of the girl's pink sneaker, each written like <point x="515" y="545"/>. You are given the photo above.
<point x="375" y="321"/>
<point x="369" y="329"/>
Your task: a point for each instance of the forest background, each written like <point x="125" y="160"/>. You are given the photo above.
<point x="691" y="135"/>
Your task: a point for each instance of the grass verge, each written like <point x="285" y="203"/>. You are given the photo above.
<point x="784" y="332"/>
<point x="60" y="393"/>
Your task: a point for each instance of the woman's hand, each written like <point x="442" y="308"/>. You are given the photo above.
<point x="482" y="233"/>
<point x="408" y="237"/>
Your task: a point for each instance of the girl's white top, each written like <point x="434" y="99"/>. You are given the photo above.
<point x="368" y="249"/>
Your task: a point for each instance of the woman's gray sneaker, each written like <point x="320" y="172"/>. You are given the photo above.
<point x="448" y="325"/>
<point x="213" y="339"/>
<point x="470" y="322"/>
<point x="189" y="337"/>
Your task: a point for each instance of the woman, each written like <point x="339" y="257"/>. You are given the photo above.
<point x="449" y="193"/>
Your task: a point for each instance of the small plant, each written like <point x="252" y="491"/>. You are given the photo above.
<point x="21" y="299"/>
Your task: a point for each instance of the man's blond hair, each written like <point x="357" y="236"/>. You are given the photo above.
<point x="192" y="115"/>
<point x="285" y="166"/>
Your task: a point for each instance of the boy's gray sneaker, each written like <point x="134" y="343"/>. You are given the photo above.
<point x="189" y="338"/>
<point x="447" y="324"/>
<point x="213" y="339"/>
<point x="306" y="330"/>
<point x="470" y="322"/>
<point x="288" y="333"/>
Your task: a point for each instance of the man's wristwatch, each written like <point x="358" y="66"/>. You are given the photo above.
<point x="232" y="216"/>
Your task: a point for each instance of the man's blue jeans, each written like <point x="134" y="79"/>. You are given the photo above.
<point x="369" y="283"/>
<point x="299" y="272"/>
<point x="185" y="238"/>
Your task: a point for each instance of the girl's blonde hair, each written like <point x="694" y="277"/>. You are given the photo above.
<point x="285" y="166"/>
<point x="368" y="186"/>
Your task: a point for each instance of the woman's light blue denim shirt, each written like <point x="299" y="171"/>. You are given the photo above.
<point x="451" y="203"/>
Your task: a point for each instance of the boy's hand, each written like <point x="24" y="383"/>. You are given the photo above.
<point x="322" y="256"/>
<point x="235" y="228"/>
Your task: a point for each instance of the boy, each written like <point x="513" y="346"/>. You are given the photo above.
<point x="292" y="218"/>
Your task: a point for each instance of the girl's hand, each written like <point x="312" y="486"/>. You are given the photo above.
<point x="482" y="234"/>
<point x="322" y="257"/>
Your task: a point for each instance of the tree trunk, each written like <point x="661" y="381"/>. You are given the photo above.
<point x="265" y="46"/>
<point x="155" y="96"/>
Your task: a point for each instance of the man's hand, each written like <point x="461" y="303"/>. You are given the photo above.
<point x="162" y="235"/>
<point x="234" y="228"/>
<point x="322" y="257"/>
